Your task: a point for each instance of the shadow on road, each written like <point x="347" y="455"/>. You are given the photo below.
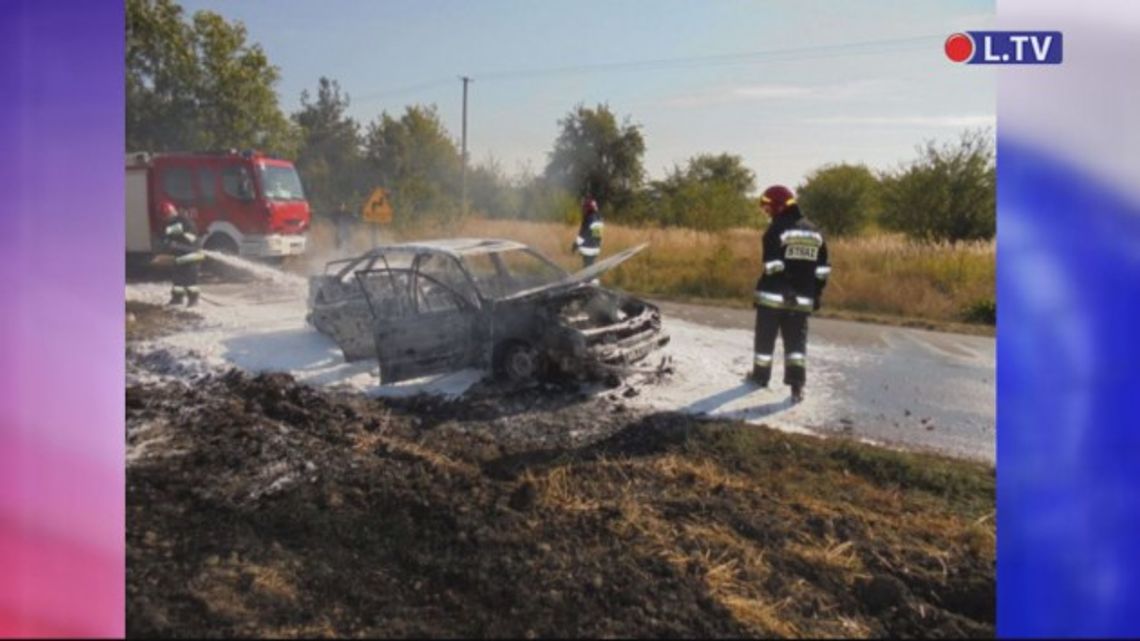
<point x="710" y="404"/>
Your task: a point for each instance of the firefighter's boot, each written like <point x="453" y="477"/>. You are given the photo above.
<point x="797" y="393"/>
<point x="192" y="298"/>
<point x="760" y="376"/>
<point x="175" y="297"/>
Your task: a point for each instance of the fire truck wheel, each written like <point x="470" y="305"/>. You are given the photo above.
<point x="222" y="244"/>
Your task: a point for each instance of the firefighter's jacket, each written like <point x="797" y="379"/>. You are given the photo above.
<point x="796" y="267"/>
<point x="589" y="240"/>
<point x="180" y="238"/>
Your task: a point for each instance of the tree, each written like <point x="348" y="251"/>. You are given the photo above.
<point x="161" y="77"/>
<point x="841" y="199"/>
<point x="544" y="199"/>
<point x="237" y="102"/>
<point x="198" y="85"/>
<point x="725" y="169"/>
<point x="595" y="155"/>
<point x="331" y="157"/>
<point x="948" y="193"/>
<point x="491" y="192"/>
<point x="710" y="193"/>
<point x="417" y="160"/>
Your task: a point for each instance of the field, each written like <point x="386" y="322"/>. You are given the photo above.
<point x="880" y="277"/>
<point x="260" y="507"/>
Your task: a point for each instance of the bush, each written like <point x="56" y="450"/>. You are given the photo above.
<point x="491" y="193"/>
<point x="707" y="206"/>
<point x="841" y="199"/>
<point x="947" y="194"/>
<point x="543" y="200"/>
<point x="982" y="311"/>
<point x="710" y="194"/>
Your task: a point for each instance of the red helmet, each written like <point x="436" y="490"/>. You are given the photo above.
<point x="169" y="210"/>
<point x="589" y="205"/>
<point x="776" y="199"/>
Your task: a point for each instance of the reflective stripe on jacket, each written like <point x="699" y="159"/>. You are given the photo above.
<point x="180" y="238"/>
<point x="589" y="240"/>
<point x="795" y="263"/>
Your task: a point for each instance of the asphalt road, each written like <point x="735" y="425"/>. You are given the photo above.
<point x="908" y="387"/>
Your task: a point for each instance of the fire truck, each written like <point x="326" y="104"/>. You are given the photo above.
<point x="246" y="203"/>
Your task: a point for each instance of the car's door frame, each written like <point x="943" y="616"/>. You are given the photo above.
<point x="413" y="343"/>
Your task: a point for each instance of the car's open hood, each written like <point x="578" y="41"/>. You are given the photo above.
<point x="581" y="277"/>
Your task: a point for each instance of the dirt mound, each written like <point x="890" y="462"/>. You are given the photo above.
<point x="260" y="507"/>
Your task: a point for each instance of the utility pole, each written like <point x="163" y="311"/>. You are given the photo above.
<point x="465" y="80"/>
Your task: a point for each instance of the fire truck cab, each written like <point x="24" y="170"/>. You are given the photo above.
<point x="246" y="203"/>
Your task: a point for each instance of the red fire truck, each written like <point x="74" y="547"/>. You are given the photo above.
<point x="247" y="203"/>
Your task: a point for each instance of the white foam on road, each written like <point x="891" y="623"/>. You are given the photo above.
<point x="260" y="327"/>
<point x="710" y="366"/>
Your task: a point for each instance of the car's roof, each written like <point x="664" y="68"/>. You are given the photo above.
<point x="453" y="246"/>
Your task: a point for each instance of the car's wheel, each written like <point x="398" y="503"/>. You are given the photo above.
<point x="519" y="362"/>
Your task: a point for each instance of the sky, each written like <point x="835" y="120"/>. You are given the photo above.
<point x="788" y="85"/>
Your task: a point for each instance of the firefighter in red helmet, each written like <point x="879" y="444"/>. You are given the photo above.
<point x="589" y="240"/>
<point x="795" y="274"/>
<point x="180" y="238"/>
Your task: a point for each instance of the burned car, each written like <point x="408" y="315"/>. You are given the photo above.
<point x="428" y="307"/>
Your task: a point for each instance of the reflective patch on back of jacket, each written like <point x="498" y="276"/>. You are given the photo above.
<point x="801" y="244"/>
<point x="801" y="252"/>
<point x="801" y="237"/>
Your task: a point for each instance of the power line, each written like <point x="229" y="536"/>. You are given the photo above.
<point x="750" y="57"/>
<point x="387" y="93"/>
<point x="770" y="55"/>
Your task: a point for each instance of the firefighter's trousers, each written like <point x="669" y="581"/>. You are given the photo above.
<point x="185" y="280"/>
<point x="793" y="326"/>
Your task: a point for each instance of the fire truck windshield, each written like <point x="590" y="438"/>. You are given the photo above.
<point x="280" y="183"/>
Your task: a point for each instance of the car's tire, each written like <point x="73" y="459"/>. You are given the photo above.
<point x="518" y="362"/>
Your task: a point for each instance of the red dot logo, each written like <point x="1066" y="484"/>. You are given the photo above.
<point x="959" y="47"/>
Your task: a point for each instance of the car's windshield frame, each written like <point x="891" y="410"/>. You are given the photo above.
<point x="557" y="273"/>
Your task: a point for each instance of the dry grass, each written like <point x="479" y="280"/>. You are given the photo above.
<point x="880" y="274"/>
<point x="227" y="587"/>
<point x="730" y="565"/>
<point x="670" y="525"/>
<point x="418" y="452"/>
<point x="916" y="535"/>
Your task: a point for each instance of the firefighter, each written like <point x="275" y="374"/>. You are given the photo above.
<point x="795" y="273"/>
<point x="180" y="238"/>
<point x="589" y="240"/>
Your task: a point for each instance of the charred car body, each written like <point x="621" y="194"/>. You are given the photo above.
<point x="429" y="307"/>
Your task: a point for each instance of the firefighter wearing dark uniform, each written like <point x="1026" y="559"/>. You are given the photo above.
<point x="795" y="273"/>
<point x="589" y="240"/>
<point x="180" y="238"/>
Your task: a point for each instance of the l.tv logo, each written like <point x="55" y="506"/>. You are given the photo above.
<point x="1005" y="47"/>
